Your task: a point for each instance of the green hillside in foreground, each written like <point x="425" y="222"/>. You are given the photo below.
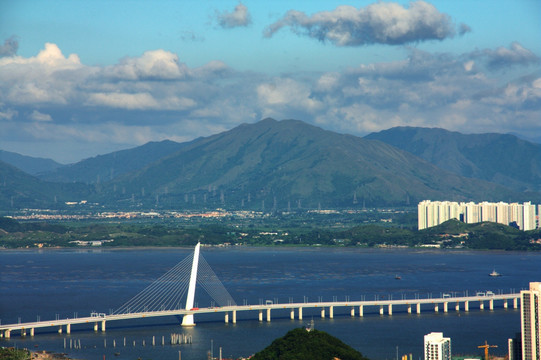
<point x="300" y="344"/>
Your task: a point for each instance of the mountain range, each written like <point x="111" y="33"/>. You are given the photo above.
<point x="499" y="158"/>
<point x="103" y="168"/>
<point x="28" y="164"/>
<point x="287" y="164"/>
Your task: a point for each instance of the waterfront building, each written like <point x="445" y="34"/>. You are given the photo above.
<point x="530" y="322"/>
<point x="437" y="347"/>
<point x="525" y="215"/>
<point x="514" y="347"/>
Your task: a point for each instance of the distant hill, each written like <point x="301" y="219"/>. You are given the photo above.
<point x="103" y="168"/>
<point x="277" y="165"/>
<point x="500" y="158"/>
<point x="313" y="345"/>
<point x="28" y="164"/>
<point x="21" y="190"/>
<point x="535" y="140"/>
<point x="290" y="164"/>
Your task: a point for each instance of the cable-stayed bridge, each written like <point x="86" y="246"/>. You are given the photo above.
<point x="173" y="294"/>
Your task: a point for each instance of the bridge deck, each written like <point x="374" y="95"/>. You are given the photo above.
<point x="6" y="328"/>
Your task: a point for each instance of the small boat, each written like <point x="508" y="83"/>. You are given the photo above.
<point x="396" y="277"/>
<point x="494" y="273"/>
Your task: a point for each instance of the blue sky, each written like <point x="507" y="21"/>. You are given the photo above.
<point x="81" y="78"/>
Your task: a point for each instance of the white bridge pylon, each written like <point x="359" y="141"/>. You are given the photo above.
<point x="168" y="292"/>
<point x="187" y="320"/>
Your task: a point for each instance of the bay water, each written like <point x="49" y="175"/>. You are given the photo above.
<point x="64" y="283"/>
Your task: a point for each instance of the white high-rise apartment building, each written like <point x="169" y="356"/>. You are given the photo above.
<point x="488" y="211"/>
<point x="432" y="213"/>
<point x="502" y="213"/>
<point x="529" y="216"/>
<point x="516" y="215"/>
<point x="437" y="347"/>
<point x="530" y="305"/>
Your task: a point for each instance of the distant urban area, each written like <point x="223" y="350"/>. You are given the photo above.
<point x="522" y="216"/>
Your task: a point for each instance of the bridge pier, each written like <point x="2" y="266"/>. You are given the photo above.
<point x="457" y="306"/>
<point x="491" y="304"/>
<point x="466" y="306"/>
<point x="322" y="313"/>
<point x="234" y="316"/>
<point x="103" y="326"/>
<point x="436" y="307"/>
<point x="23" y="332"/>
<point x="515" y="303"/>
<point x="331" y="312"/>
<point x="68" y="328"/>
<point x="31" y="331"/>
<point x="381" y="310"/>
<point x="7" y="334"/>
<point x="445" y="307"/>
<point x="418" y="308"/>
<point x="505" y="305"/>
<point x="409" y="308"/>
<point x="226" y="317"/>
<point x="481" y="305"/>
<point x="390" y="309"/>
<point x="60" y="329"/>
<point x="361" y="312"/>
<point x="352" y="312"/>
<point x="300" y="313"/>
<point x="292" y="314"/>
<point x="268" y="315"/>
<point x="260" y="315"/>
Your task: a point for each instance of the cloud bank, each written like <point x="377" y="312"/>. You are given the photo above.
<point x="379" y="23"/>
<point x="502" y="57"/>
<point x="52" y="98"/>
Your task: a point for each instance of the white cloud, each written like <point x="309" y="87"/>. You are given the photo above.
<point x="139" y="101"/>
<point x="156" y="96"/>
<point x="46" y="78"/>
<point x="287" y="92"/>
<point x="51" y="57"/>
<point x="240" y="16"/>
<point x="152" y="65"/>
<point x="38" y="116"/>
<point x="7" y="114"/>
<point x="503" y="57"/>
<point x="379" y="23"/>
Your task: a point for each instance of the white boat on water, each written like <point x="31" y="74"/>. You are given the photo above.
<point x="494" y="273"/>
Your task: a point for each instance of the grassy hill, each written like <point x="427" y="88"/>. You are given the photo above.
<point x="103" y="168"/>
<point x="21" y="190"/>
<point x="28" y="164"/>
<point x="300" y="344"/>
<point x="269" y="165"/>
<point x="290" y="164"/>
<point x="499" y="158"/>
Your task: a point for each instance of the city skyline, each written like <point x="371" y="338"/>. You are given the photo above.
<point x="82" y="79"/>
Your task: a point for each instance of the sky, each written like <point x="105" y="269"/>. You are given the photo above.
<point x="83" y="78"/>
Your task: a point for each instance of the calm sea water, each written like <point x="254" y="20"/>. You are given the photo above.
<point x="67" y="283"/>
